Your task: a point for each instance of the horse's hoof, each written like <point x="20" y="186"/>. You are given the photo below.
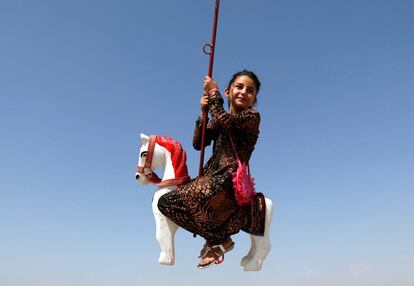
<point x="253" y="265"/>
<point x="245" y="260"/>
<point x="164" y="260"/>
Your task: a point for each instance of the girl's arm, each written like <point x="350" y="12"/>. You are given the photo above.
<point x="199" y="126"/>
<point x="197" y="134"/>
<point x="247" y="120"/>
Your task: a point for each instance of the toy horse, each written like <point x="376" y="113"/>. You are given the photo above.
<point x="160" y="156"/>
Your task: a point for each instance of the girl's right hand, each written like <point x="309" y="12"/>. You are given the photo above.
<point x="204" y="102"/>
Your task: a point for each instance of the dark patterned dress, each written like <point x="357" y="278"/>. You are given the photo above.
<point x="206" y="205"/>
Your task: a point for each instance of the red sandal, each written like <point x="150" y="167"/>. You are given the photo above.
<point x="215" y="252"/>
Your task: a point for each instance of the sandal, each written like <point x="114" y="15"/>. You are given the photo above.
<point x="203" y="250"/>
<point x="215" y="252"/>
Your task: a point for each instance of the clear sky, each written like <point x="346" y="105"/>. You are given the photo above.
<point x="79" y="80"/>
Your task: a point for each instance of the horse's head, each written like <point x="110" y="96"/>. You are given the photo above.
<point x="142" y="172"/>
<point x="161" y="151"/>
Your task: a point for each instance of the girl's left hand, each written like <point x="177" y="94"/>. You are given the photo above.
<point x="209" y="84"/>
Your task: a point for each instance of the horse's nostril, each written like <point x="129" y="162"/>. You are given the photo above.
<point x="137" y="177"/>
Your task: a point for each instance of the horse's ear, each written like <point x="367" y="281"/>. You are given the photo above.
<point x="144" y="139"/>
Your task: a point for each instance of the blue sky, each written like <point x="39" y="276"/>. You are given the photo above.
<point x="79" y="80"/>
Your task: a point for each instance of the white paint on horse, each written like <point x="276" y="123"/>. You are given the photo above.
<point x="166" y="228"/>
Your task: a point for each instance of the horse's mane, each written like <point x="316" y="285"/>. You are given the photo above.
<point x="178" y="155"/>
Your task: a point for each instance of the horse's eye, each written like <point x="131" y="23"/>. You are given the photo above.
<point x="144" y="154"/>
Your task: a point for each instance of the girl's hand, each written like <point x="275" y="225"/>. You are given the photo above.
<point x="204" y="102"/>
<point x="209" y="84"/>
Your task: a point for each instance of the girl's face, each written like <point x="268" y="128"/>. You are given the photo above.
<point x="241" y="94"/>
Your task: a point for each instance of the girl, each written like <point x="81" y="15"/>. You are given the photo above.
<point x="207" y="206"/>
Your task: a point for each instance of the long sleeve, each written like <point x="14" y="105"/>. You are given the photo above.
<point x="247" y="120"/>
<point x="198" y="133"/>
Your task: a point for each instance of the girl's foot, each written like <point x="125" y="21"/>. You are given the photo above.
<point x="211" y="254"/>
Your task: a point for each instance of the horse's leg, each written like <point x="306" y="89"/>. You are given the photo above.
<point x="165" y="232"/>
<point x="251" y="253"/>
<point x="261" y="243"/>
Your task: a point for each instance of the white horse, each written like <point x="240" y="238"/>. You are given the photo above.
<point x="166" y="228"/>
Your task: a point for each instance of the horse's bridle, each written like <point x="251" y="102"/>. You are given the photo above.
<point x="149" y="173"/>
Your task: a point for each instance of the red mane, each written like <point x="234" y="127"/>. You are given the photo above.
<point x="178" y="155"/>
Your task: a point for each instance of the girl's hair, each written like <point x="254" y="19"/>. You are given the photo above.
<point x="248" y="73"/>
